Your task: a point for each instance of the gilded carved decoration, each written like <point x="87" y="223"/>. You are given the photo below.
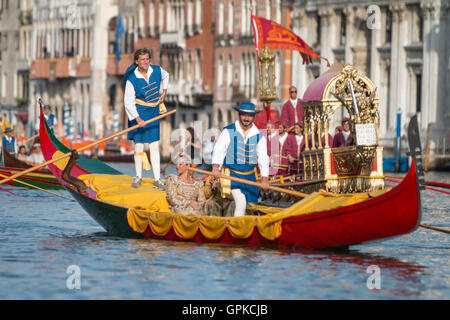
<point x="352" y="164"/>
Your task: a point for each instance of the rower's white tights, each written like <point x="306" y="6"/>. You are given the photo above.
<point x="154" y="159"/>
<point x="240" y="201"/>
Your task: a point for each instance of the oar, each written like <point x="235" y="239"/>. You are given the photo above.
<point x="430" y="183"/>
<point x="29" y="139"/>
<point x="428" y="188"/>
<point x="66" y="155"/>
<point x="31" y="186"/>
<point x="434" y="228"/>
<point x="8" y="191"/>
<point x="291" y="192"/>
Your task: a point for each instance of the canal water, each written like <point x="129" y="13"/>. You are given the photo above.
<point x="52" y="249"/>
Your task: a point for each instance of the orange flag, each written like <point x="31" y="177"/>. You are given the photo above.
<point x="274" y="35"/>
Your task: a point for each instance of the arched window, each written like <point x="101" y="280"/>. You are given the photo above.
<point x="221" y="19"/>
<point x="112" y="97"/>
<point x="231" y="17"/>
<point x="219" y="118"/>
<point x="112" y="35"/>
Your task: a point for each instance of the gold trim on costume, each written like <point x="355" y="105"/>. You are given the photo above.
<point x="249" y="151"/>
<point x="149" y="85"/>
<point x="245" y="155"/>
<point x="155" y="88"/>
<point x="157" y="92"/>
<point x="147" y="104"/>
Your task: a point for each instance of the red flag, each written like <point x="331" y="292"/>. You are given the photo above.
<point x="274" y="35"/>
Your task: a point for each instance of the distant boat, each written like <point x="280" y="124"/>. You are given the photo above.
<point x="382" y="215"/>
<point x="40" y="178"/>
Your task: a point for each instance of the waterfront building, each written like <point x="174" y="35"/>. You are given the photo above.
<point x="65" y="52"/>
<point x="15" y="48"/>
<point x="235" y="60"/>
<point x="180" y="35"/>
<point x="403" y="46"/>
<point x="68" y="62"/>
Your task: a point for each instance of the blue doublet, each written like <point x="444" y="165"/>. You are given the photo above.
<point x="242" y="158"/>
<point x="9" y="145"/>
<point x="50" y="121"/>
<point x="149" y="93"/>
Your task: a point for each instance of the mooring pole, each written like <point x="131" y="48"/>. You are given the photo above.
<point x="398" y="140"/>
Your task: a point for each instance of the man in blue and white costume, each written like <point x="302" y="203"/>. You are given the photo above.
<point x="49" y="118"/>
<point x="9" y="142"/>
<point x="240" y="147"/>
<point x="142" y="100"/>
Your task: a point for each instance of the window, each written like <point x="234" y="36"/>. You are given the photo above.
<point x="220" y="72"/>
<point x="388" y="35"/>
<point x="151" y="18"/>
<point x="4" y="77"/>
<point x="141" y="19"/>
<point x="221" y="19"/>
<point x="230" y="70"/>
<point x="343" y="31"/>
<point x="198" y="69"/>
<point x="198" y="13"/>
<point x="418" y="92"/>
<point x="112" y="35"/>
<point x="112" y="97"/>
<point x="318" y="27"/>
<point x="230" y="17"/>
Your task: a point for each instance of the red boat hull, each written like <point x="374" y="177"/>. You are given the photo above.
<point x="393" y="213"/>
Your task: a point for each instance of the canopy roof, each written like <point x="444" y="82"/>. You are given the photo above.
<point x="315" y="90"/>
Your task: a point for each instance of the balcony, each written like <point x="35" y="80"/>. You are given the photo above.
<point x="55" y="68"/>
<point x="173" y="39"/>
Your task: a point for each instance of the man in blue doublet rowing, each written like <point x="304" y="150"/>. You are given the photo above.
<point x="240" y="147"/>
<point x="143" y="102"/>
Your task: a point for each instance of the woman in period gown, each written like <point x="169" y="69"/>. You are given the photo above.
<point x="185" y="194"/>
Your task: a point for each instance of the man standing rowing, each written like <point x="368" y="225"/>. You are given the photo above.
<point x="142" y="102"/>
<point x="239" y="148"/>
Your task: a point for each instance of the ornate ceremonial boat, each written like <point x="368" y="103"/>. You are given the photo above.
<point x="322" y="220"/>
<point x="40" y="178"/>
<point x="346" y="169"/>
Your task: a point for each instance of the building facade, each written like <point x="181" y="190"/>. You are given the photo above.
<point x="235" y="62"/>
<point x="68" y="63"/>
<point x="403" y="46"/>
<point x="15" y="47"/>
<point x="180" y="35"/>
<point x="64" y="51"/>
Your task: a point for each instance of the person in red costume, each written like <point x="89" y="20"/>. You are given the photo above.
<point x="261" y="118"/>
<point x="292" y="110"/>
<point x="343" y="138"/>
<point x="296" y="167"/>
<point x="287" y="150"/>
